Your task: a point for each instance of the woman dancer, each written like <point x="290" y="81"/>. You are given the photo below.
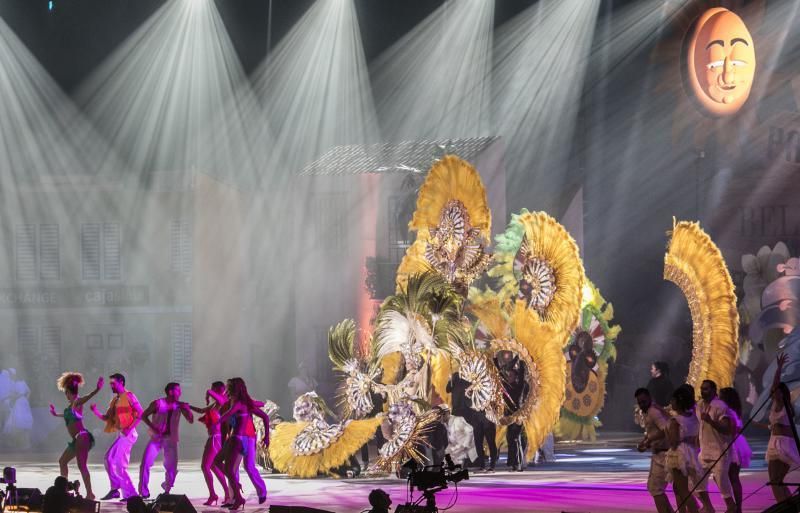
<point x="682" y="462"/>
<point x="782" y="453"/>
<point x="82" y="440"/>
<point x="211" y="418"/>
<point x="242" y="442"/>
<point x="740" y="452"/>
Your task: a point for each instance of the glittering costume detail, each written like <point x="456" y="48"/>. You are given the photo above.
<point x="539" y="346"/>
<point x="310" y="445"/>
<point x="537" y="260"/>
<point x="695" y="264"/>
<point x="456" y="249"/>
<point x="407" y="437"/>
<point x="485" y="390"/>
<point x="537" y="282"/>
<point x="453" y="224"/>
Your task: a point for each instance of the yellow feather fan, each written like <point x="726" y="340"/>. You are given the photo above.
<point x="413" y="263"/>
<point x="441" y="370"/>
<point x="695" y="264"/>
<point x="356" y="434"/>
<point x="540" y="346"/>
<point x="452" y="179"/>
<point x="538" y="260"/>
<point x="545" y="347"/>
<point x="490" y="312"/>
<point x="451" y="219"/>
<point x="391" y="365"/>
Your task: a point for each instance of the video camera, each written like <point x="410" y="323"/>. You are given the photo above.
<point x="434" y="478"/>
<point x="429" y="480"/>
<point x="9" y="476"/>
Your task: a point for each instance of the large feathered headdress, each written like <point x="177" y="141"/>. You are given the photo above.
<point x="695" y="264"/>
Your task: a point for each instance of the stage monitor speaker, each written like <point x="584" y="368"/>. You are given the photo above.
<point x="277" y="508"/>
<point x="173" y="504"/>
<point x="24" y="499"/>
<point x="790" y="505"/>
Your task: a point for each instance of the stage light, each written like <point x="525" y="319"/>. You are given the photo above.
<point x="50" y="5"/>
<point x="540" y="61"/>
<point x="434" y="82"/>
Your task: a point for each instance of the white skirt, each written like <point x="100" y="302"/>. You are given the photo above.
<point x="784" y="449"/>
<point x="741" y="452"/>
<point x="684" y="459"/>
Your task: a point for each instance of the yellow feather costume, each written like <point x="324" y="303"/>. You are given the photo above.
<point x="538" y="260"/>
<point x="541" y="347"/>
<point x="356" y="434"/>
<point x="451" y="183"/>
<point x="695" y="264"/>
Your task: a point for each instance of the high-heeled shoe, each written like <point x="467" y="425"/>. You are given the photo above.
<point x="230" y="500"/>
<point x="262" y="499"/>
<point x="237" y="504"/>
<point x="212" y="500"/>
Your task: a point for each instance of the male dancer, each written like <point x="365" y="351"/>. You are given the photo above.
<point x="123" y="415"/>
<point x="715" y="435"/>
<point x="482" y="428"/>
<point x="515" y="391"/>
<point x="163" y="436"/>
<point x="656" y="422"/>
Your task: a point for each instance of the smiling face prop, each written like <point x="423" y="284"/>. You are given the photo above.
<point x="720" y="62"/>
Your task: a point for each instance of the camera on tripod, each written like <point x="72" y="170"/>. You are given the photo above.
<point x="434" y="478"/>
<point x="9" y="476"/>
<point x="429" y="480"/>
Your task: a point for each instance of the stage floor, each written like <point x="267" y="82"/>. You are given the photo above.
<point x="606" y="477"/>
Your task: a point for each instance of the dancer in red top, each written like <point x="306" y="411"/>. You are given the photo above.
<point x="211" y="418"/>
<point x="242" y="442"/>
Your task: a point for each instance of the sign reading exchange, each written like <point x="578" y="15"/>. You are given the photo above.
<point x="112" y="295"/>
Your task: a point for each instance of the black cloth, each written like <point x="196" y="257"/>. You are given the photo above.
<point x="661" y="390"/>
<point x="457" y="387"/>
<point x="437" y="438"/>
<point x="56" y="500"/>
<point x="514" y="440"/>
<point x="514" y="395"/>
<point x="377" y="407"/>
<point x="483" y="430"/>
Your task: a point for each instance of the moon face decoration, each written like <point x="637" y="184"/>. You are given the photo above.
<point x="719" y="62"/>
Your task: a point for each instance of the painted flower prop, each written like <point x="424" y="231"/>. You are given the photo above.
<point x="589" y="350"/>
<point x="695" y="264"/>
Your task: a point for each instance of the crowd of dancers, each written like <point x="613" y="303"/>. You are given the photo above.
<point x="698" y="439"/>
<point x="689" y="442"/>
<point x="227" y="415"/>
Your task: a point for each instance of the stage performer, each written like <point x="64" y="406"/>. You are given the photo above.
<point x="660" y="385"/>
<point x="123" y="415"/>
<point x="740" y="452"/>
<point x="211" y="415"/>
<point x="242" y="443"/>
<point x="782" y="455"/>
<point x="82" y="440"/>
<point x="656" y="424"/>
<point x="482" y="428"/>
<point x="166" y="415"/>
<point x="681" y="459"/>
<point x="715" y="435"/>
<point x="515" y="391"/>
